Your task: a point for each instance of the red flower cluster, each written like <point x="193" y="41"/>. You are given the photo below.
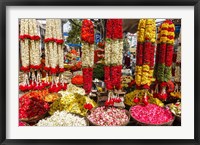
<point x="139" y="56"/>
<point x="87" y="31"/>
<point x="116" y="76"/>
<point x="36" y="67"/>
<point x="147" y="52"/>
<point x="56" y="88"/>
<point x="112" y="101"/>
<point x="162" y="53"/>
<point x="114" y="29"/>
<point x="58" y="41"/>
<point x="107" y="79"/>
<point x="87" y="79"/>
<point x="131" y="83"/>
<point x="88" y="106"/>
<point x="25" y="36"/>
<point x="169" y="55"/>
<point x="31" y="107"/>
<point x="152" y="50"/>
<point x="25" y="69"/>
<point x="151" y="114"/>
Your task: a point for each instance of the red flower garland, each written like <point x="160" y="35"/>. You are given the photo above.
<point x="87" y="79"/>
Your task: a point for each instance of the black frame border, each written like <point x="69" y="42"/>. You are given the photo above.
<point x="5" y="3"/>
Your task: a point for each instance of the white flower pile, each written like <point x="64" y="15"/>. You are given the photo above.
<point x="63" y="118"/>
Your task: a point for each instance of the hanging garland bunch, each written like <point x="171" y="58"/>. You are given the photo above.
<point x="144" y="65"/>
<point x="54" y="54"/>
<point x="30" y="54"/>
<point x="113" y="54"/>
<point x="148" y="53"/>
<point x="139" y="51"/>
<point x="165" y="57"/>
<point x="87" y="37"/>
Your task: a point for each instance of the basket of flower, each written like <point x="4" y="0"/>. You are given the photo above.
<point x="175" y="108"/>
<point x="151" y="115"/>
<point x="32" y="109"/>
<point x="108" y="116"/>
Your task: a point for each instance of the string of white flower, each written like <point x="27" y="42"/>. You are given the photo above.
<point x="37" y="59"/>
<point x="108" y="48"/>
<point x="46" y="48"/>
<point x="26" y="45"/>
<point x="85" y="54"/>
<point x="91" y="55"/>
<point x="55" y="49"/>
<point x="60" y="48"/>
<point x="24" y="49"/>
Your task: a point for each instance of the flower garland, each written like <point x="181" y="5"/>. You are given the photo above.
<point x="165" y="57"/>
<point x="113" y="54"/>
<point x="54" y="54"/>
<point x="145" y="53"/>
<point x="87" y="37"/>
<point x="30" y="54"/>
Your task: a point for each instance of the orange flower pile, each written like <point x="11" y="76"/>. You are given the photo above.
<point x="77" y="80"/>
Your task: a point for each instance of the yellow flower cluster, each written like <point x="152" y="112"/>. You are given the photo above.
<point x="150" y="30"/>
<point x="145" y="75"/>
<point x="165" y="34"/>
<point x="128" y="100"/>
<point x="141" y="30"/>
<point x="73" y="103"/>
<point x="138" y="76"/>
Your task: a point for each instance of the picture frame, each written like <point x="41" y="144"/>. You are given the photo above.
<point x="5" y="3"/>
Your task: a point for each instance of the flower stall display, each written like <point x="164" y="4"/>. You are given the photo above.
<point x="164" y="57"/>
<point x="151" y="114"/>
<point x="87" y="37"/>
<point x="63" y="118"/>
<point x="103" y="116"/>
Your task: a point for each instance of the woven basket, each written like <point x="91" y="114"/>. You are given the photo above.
<point x="138" y="123"/>
<point x="93" y="124"/>
<point x="33" y="119"/>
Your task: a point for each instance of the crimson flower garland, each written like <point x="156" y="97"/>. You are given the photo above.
<point x="87" y="37"/>
<point x="165" y="57"/>
<point x="113" y="54"/>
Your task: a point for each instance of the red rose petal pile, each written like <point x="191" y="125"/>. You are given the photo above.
<point x="108" y="116"/>
<point x="31" y="107"/>
<point x="151" y="114"/>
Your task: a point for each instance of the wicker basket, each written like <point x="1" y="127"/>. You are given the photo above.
<point x="33" y="119"/>
<point x="93" y="124"/>
<point x="138" y="123"/>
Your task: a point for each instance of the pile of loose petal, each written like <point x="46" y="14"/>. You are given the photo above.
<point x="32" y="107"/>
<point x="111" y="116"/>
<point x="151" y="114"/>
<point x="63" y="119"/>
